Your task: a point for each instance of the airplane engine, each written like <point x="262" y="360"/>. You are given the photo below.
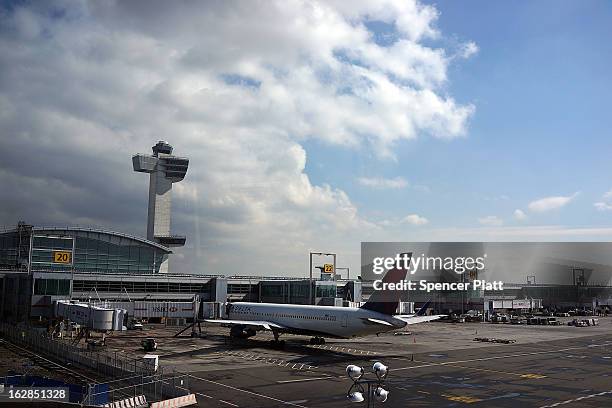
<point x="242" y="332"/>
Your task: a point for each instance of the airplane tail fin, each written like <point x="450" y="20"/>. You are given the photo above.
<point x="386" y="301"/>
<point x="423" y="309"/>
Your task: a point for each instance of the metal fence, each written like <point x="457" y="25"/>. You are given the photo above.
<point x="132" y="376"/>
<point x="155" y="387"/>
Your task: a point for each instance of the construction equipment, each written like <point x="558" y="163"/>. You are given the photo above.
<point x="149" y="344"/>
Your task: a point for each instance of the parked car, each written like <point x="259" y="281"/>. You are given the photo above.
<point x="562" y="314"/>
<point x="518" y="320"/>
<point x="500" y="318"/>
<point x="134" y="325"/>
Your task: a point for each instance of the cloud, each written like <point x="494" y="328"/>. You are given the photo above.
<point x="468" y="49"/>
<point x="491" y="220"/>
<point x="605" y="205"/>
<point x="519" y="215"/>
<point x="550" y="203"/>
<point x="383" y="183"/>
<point x="87" y="84"/>
<point x="601" y="206"/>
<point x="530" y="233"/>
<point x="415" y="219"/>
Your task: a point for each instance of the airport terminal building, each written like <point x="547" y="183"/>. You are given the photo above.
<point x="40" y="265"/>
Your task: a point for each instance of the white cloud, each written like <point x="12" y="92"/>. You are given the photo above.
<point x="605" y="205"/>
<point x="86" y="84"/>
<point x="415" y="219"/>
<point x="519" y="215"/>
<point x="468" y="49"/>
<point x="601" y="206"/>
<point x="383" y="183"/>
<point x="550" y="203"/>
<point x="491" y="220"/>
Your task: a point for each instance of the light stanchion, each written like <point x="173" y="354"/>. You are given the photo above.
<point x="374" y="392"/>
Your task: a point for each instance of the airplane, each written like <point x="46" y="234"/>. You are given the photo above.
<point x="374" y="317"/>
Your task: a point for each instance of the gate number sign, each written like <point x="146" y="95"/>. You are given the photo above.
<point x="63" y="257"/>
<point x="328" y="268"/>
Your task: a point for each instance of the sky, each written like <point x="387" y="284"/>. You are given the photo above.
<point x="310" y="125"/>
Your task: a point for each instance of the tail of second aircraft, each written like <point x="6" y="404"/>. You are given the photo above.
<point x="386" y="301"/>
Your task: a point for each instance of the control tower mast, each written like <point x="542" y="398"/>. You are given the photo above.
<point x="164" y="169"/>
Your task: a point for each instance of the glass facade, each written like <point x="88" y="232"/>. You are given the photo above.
<point x="94" y="251"/>
<point x="55" y="287"/>
<point x="326" y="290"/>
<point x="121" y="286"/>
<point x="14" y="249"/>
<point x="8" y="249"/>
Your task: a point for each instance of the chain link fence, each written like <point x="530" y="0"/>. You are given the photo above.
<point x="131" y="376"/>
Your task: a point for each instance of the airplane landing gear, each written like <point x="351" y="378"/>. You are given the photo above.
<point x="317" y="340"/>
<point x="275" y="343"/>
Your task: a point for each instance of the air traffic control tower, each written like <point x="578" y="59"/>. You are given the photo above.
<point x="164" y="169"/>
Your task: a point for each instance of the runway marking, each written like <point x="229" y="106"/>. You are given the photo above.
<point x="529" y="375"/>
<point x="533" y="376"/>
<point x="343" y="349"/>
<point x="228" y="403"/>
<point x="556" y="404"/>
<point x="461" y="398"/>
<point x="204" y="395"/>
<point x="268" y="360"/>
<point x="247" y="391"/>
<point x="304" y="379"/>
<point x="500" y="357"/>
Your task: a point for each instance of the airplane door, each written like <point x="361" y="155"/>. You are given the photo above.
<point x="344" y="320"/>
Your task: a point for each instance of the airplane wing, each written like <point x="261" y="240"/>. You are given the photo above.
<point x="256" y="324"/>
<point x="418" y="319"/>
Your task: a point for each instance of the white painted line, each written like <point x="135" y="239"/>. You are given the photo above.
<point x="304" y="379"/>
<point x="496" y="357"/>
<point x="247" y="391"/>
<point x="577" y="399"/>
<point x="228" y="403"/>
<point x="204" y="395"/>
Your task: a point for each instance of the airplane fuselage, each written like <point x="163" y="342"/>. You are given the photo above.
<point x="324" y="321"/>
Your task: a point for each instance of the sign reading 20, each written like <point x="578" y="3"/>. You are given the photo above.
<point x="62" y="257"/>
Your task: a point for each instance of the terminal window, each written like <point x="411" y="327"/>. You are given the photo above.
<point x="57" y="287"/>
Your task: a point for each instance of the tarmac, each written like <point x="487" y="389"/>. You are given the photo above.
<point x="430" y="365"/>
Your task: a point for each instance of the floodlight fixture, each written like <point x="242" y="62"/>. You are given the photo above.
<point x="380" y="370"/>
<point x="381" y="394"/>
<point x="375" y="392"/>
<point x="355" y="396"/>
<point x="354" y="372"/>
